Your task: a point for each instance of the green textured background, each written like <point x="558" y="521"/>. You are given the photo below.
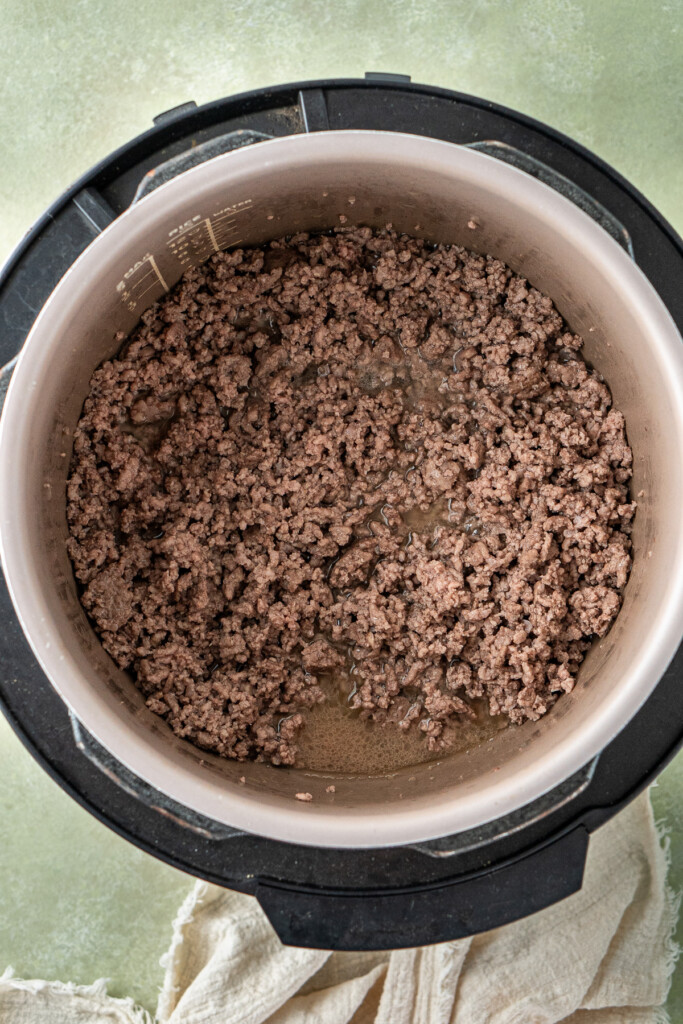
<point x="79" y="79"/>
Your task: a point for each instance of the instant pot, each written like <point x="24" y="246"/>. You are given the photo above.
<point x="443" y="849"/>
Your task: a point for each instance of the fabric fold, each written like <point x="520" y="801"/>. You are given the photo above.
<point x="54" y="1002"/>
<point x="602" y="956"/>
<point x="226" y="963"/>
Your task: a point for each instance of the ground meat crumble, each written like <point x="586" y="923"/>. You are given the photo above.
<point x="348" y="456"/>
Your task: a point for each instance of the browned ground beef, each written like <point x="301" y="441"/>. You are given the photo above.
<point x="352" y="455"/>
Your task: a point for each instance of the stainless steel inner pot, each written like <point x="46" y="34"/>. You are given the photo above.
<point x="425" y="187"/>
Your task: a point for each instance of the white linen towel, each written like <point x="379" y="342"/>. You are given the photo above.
<point x="602" y="956"/>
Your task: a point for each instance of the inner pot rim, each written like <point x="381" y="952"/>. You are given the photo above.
<point x="408" y="822"/>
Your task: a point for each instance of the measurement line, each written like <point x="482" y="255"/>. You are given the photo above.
<point x="194" y="227"/>
<point x="224" y="220"/>
<point x="136" y="282"/>
<point x="136" y="298"/>
<point x="211" y="234"/>
<point x="224" y="243"/>
<point x="158" y="273"/>
<point x="227" y="225"/>
<point x="223" y="229"/>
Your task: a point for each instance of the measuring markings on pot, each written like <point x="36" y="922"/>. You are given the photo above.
<point x="200" y="237"/>
<point x="191" y="243"/>
<point x="140" y="279"/>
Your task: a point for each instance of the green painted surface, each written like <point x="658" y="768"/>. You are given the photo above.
<point x="667" y="799"/>
<point x="76" y="80"/>
<point x="76" y="901"/>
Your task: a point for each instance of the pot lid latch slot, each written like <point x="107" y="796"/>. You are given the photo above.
<point x="530" y="814"/>
<point x="94" y="209"/>
<point x="313" y="107"/>
<point x="313" y="102"/>
<point x="130" y="783"/>
<point x="194" y="156"/>
<point x="549" y="176"/>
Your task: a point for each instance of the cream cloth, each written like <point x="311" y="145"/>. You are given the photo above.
<point x="603" y="956"/>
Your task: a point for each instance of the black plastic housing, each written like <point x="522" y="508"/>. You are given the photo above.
<point x="341" y="899"/>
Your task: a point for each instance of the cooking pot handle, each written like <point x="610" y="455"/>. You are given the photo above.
<point x="509" y="155"/>
<point x="193" y="157"/>
<point x="473" y="904"/>
<point x="156" y="801"/>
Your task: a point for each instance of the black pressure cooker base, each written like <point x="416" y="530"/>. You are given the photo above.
<point x="331" y="898"/>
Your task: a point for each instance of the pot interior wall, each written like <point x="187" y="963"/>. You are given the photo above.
<point x="278" y="200"/>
